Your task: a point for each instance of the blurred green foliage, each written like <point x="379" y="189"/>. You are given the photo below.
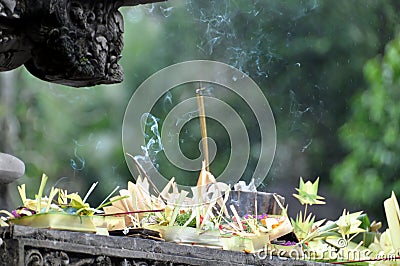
<point x="307" y="56"/>
<point x="372" y="168"/>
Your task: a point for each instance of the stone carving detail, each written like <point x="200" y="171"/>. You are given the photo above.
<point x="102" y="261"/>
<point x="85" y="44"/>
<point x="34" y="257"/>
<point x="136" y="262"/>
<point x="71" y="42"/>
<point x="127" y="262"/>
<point x="14" y="46"/>
<point x="56" y="258"/>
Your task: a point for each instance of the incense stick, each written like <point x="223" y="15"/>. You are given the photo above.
<point x="203" y="126"/>
<point x="141" y="170"/>
<point x="132" y="212"/>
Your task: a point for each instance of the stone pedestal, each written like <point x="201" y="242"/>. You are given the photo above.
<point x="11" y="168"/>
<point x="30" y="246"/>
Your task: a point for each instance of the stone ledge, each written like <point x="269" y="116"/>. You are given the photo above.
<point x="31" y="246"/>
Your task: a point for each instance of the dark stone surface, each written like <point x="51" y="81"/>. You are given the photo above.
<point x="71" y="42"/>
<point x="30" y="246"/>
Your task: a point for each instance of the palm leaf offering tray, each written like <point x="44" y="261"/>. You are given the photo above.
<point x="61" y="221"/>
<point x="210" y="218"/>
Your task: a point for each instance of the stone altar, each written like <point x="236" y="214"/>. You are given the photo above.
<point x="30" y="246"/>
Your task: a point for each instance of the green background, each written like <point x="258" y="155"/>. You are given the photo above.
<point x="329" y="69"/>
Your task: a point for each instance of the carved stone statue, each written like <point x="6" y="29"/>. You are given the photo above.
<point x="70" y="42"/>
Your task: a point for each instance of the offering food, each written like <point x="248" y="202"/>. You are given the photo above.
<point x="210" y="220"/>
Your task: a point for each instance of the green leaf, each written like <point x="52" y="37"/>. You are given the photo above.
<point x="365" y="223"/>
<point x="303" y="227"/>
<point x="349" y="224"/>
<point x="40" y="193"/>
<point x="308" y="193"/>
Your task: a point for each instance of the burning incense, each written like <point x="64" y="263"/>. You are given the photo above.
<point x="203" y="126"/>
<point x="142" y="171"/>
